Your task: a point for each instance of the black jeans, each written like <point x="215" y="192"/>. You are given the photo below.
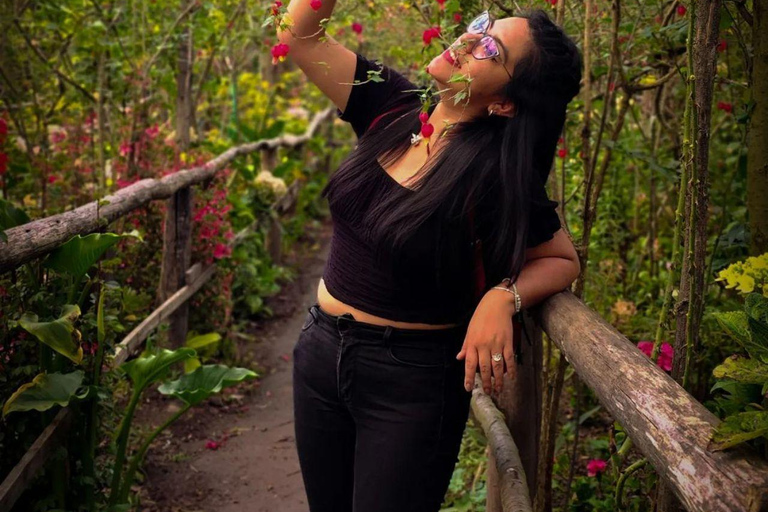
<point x="379" y="413"/>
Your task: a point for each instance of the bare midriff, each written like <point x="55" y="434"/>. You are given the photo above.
<point x="335" y="307"/>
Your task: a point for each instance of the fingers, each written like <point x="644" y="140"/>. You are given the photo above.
<point x="470" y="367"/>
<point x="485" y="369"/>
<point x="497" y="368"/>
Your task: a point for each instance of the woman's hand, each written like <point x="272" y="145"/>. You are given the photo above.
<point x="489" y="332"/>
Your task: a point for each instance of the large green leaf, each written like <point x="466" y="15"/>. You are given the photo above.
<point x="58" y="333"/>
<point x="206" y="380"/>
<point x="10" y="217"/>
<point x="203" y="340"/>
<point x="79" y="253"/>
<point x="738" y="429"/>
<point x="152" y="367"/>
<point x="44" y="392"/>
<point x="742" y="369"/>
<point x="735" y="323"/>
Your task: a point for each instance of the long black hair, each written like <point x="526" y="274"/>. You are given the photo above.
<point x="493" y="160"/>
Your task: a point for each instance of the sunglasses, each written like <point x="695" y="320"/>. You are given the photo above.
<point x="485" y="47"/>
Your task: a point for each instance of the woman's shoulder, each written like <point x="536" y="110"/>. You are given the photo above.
<point x="377" y="88"/>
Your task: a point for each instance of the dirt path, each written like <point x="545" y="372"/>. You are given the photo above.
<point x="255" y="468"/>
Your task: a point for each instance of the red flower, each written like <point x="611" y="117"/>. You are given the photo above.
<point x="357" y="28"/>
<point x="595" y="466"/>
<point x="427" y="130"/>
<point x="725" y="106"/>
<point x="279" y="51"/>
<point x="152" y="131"/>
<point x="3" y="163"/>
<point x="221" y="251"/>
<point x="560" y="140"/>
<point x="457" y="17"/>
<point x="213" y="445"/>
<point x="681" y="10"/>
<point x="3" y="129"/>
<point x="52" y="178"/>
<point x="562" y="152"/>
<point x="423" y="117"/>
<point x="722" y="45"/>
<point x="442" y="4"/>
<point x="665" y="355"/>
<point x="429" y="34"/>
<point x="315" y="4"/>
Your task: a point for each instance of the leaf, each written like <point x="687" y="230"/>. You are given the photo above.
<point x="152" y="367"/>
<point x="738" y="429"/>
<point x="735" y="324"/>
<point x="101" y="332"/>
<point x="203" y="340"/>
<point x="10" y="217"/>
<point x="206" y="380"/>
<point x="742" y="369"/>
<point x="79" y="253"/>
<point x="57" y="334"/>
<point x="45" y="391"/>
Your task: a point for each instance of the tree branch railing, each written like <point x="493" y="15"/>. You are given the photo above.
<point x="37" y="238"/>
<point x="668" y="425"/>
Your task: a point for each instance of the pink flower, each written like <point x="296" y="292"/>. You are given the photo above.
<point x="125" y="148"/>
<point x="427" y="130"/>
<point x="423" y="117"/>
<point x="52" y="178"/>
<point x="316" y="4"/>
<point x="279" y="52"/>
<point x="221" y="251"/>
<point x="457" y="17"/>
<point x="562" y="152"/>
<point x="725" y="106"/>
<point x="357" y="28"/>
<point x="3" y="163"/>
<point x="666" y="353"/>
<point x="595" y="466"/>
<point x="212" y="445"/>
<point x="442" y="4"/>
<point x="429" y="34"/>
<point x="681" y="10"/>
<point x="152" y="131"/>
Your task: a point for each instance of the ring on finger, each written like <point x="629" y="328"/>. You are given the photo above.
<point x="496" y="357"/>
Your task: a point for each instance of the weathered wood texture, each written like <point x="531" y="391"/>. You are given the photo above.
<point x="512" y="484"/>
<point x="39" y="237"/>
<point x="520" y="402"/>
<point x="177" y="256"/>
<point x="664" y="421"/>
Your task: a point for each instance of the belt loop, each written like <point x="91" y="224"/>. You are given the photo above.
<point x="387" y="333"/>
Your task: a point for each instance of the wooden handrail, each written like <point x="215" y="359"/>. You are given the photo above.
<point x="37" y="238"/>
<point x="668" y="425"/>
<point x="63" y="226"/>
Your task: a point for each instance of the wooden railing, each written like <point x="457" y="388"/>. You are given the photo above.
<point x="37" y="238"/>
<point x="668" y="425"/>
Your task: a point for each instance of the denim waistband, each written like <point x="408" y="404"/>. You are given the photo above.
<point x="386" y="331"/>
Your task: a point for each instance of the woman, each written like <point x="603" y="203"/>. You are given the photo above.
<point x="381" y="396"/>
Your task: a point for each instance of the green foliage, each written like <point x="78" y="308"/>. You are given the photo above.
<point x="57" y="334"/>
<point x="45" y="392"/>
<point x="80" y="253"/>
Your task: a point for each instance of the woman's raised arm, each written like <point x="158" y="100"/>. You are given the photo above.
<point x="327" y="63"/>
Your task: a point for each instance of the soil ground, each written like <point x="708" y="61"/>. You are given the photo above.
<point x="236" y="452"/>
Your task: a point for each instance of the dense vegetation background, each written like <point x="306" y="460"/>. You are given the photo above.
<point x="96" y="95"/>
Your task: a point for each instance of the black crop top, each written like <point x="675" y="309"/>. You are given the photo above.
<point x="410" y="289"/>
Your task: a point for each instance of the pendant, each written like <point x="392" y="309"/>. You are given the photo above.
<point x="415" y="139"/>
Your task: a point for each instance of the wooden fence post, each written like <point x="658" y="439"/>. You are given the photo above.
<point x="520" y="402"/>
<point x="177" y="255"/>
